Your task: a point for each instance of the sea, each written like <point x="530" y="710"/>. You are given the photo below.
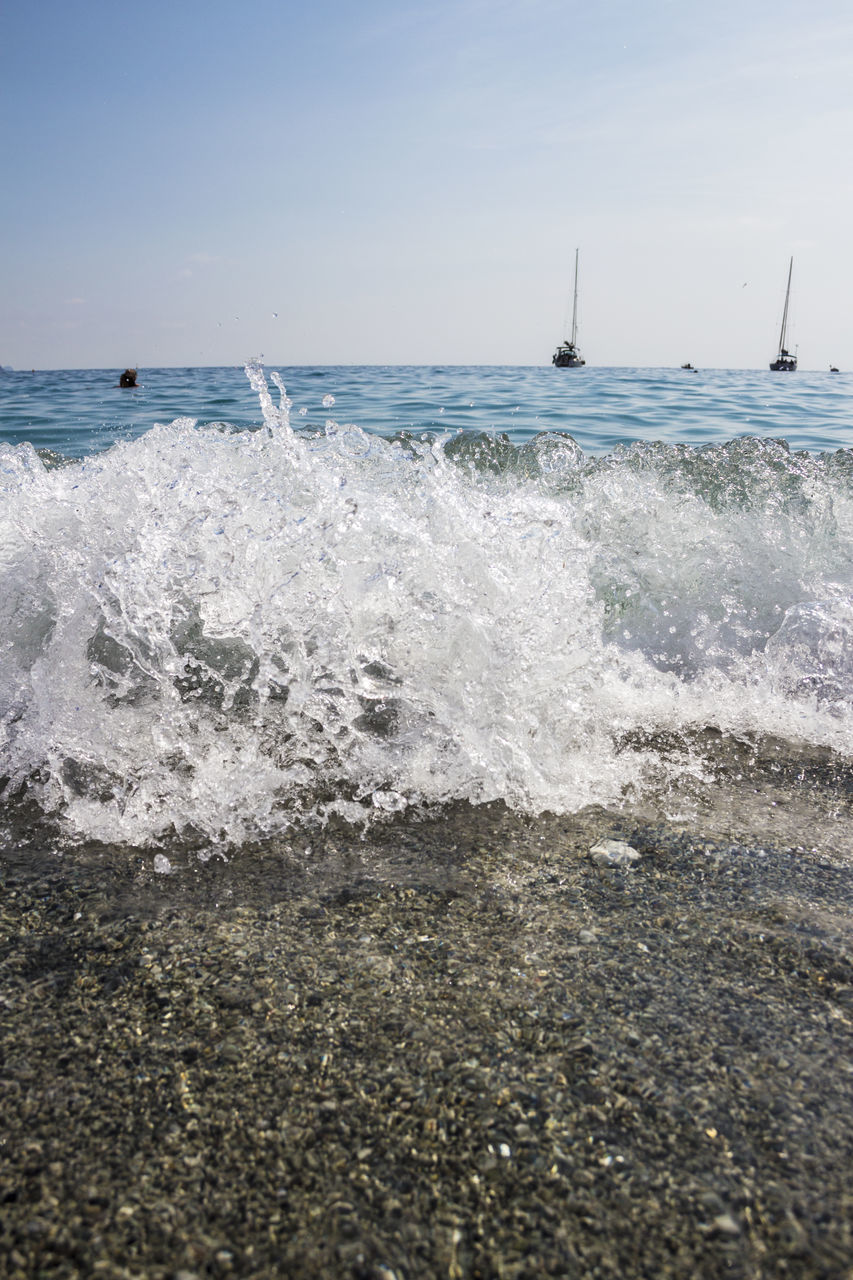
<point x="237" y="603"/>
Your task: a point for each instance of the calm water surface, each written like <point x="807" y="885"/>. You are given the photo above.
<point x="84" y="411"/>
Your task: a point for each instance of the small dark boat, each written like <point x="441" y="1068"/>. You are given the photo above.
<point x="832" y="369"/>
<point x="785" y="362"/>
<point x="567" y="355"/>
<point x="690" y="367"/>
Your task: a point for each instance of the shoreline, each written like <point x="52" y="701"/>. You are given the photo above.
<point x="455" y="1048"/>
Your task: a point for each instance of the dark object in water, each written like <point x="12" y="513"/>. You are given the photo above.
<point x="784" y="362"/>
<point x="128" y="378"/>
<point x="833" y="369"/>
<point x="567" y="356"/>
<point x="689" y="366"/>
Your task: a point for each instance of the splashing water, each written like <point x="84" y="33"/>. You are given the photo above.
<point x="224" y="631"/>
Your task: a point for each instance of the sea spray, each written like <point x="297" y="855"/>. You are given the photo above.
<point x="225" y="632"/>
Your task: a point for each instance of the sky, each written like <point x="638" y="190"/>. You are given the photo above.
<point x="200" y="183"/>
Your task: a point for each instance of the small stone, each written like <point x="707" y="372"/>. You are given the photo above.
<point x="725" y="1223"/>
<point x="162" y="865"/>
<point x="587" y="936"/>
<point x="613" y="853"/>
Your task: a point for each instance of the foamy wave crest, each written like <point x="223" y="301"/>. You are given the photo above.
<point x="226" y="631"/>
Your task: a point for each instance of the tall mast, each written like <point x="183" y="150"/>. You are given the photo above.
<point x="785" y="312"/>
<point x="575" y="304"/>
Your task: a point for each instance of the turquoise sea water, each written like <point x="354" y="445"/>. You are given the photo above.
<point x="85" y="411"/>
<point x="232" y="601"/>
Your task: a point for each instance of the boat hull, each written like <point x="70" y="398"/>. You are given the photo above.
<point x="567" y="358"/>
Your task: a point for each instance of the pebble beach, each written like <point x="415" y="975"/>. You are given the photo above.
<point x="460" y="1048"/>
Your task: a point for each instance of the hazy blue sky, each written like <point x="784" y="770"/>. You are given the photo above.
<point x="191" y="182"/>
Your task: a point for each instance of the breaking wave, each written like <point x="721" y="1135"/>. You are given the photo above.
<point x="227" y="631"/>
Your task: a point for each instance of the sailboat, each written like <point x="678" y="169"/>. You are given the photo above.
<point x="567" y="355"/>
<point x="785" y="362"/>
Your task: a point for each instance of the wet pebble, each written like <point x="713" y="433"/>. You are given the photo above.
<point x="614" y="853"/>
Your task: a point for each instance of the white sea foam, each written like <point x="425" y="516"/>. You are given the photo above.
<point x="224" y="630"/>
